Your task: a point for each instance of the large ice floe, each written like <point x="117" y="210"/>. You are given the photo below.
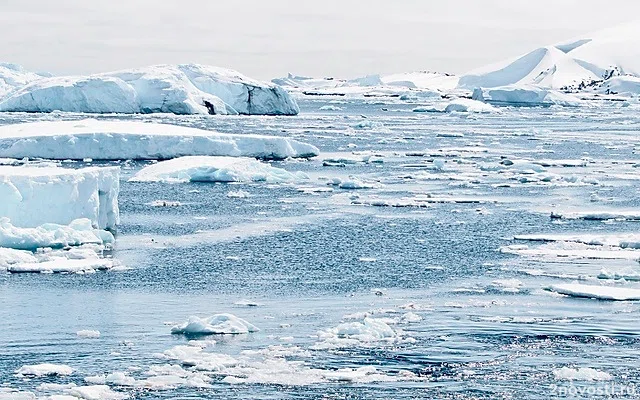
<point x="215" y="169"/>
<point x="32" y="196"/>
<point x="118" y="140"/>
<point x="178" y="89"/>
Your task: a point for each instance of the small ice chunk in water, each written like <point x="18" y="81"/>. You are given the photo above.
<point x="89" y="334"/>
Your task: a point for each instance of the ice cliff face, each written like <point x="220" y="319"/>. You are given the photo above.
<point x="177" y="89"/>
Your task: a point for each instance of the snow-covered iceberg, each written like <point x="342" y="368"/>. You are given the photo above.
<point x="178" y="89"/>
<point x="31" y="196"/>
<point x="121" y="140"/>
<point x="214" y="169"/>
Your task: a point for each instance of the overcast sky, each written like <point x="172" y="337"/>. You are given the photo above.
<point x="268" y="38"/>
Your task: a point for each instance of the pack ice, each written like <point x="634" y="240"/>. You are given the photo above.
<point x="32" y="196"/>
<point x="178" y="89"/>
<point x="119" y="140"/>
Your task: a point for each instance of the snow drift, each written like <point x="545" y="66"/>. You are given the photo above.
<point x="178" y="89"/>
<point x="119" y="140"/>
<point x="214" y="169"/>
<point x="31" y="196"/>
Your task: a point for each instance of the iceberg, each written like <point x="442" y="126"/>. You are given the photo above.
<point x="177" y="89"/>
<point x="121" y="140"/>
<point x="32" y="196"/>
<point x="214" y="169"/>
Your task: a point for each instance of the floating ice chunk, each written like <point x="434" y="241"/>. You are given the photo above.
<point x="95" y="392"/>
<point x="627" y="276"/>
<point x="89" y="334"/>
<point x="469" y="106"/>
<point x="330" y="107"/>
<point x="36" y="195"/>
<point x="596" y="292"/>
<point x="39" y="370"/>
<point x="62" y="265"/>
<point x="237" y="194"/>
<point x="122" y="140"/>
<point x="581" y="374"/>
<point x="352" y="334"/>
<point x="12" y="394"/>
<point x="219" y="324"/>
<point x="12" y="256"/>
<point x="630" y="215"/>
<point x="164" y="203"/>
<point x="508" y="285"/>
<point x="352" y="184"/>
<point x="78" y="232"/>
<point x="215" y="169"/>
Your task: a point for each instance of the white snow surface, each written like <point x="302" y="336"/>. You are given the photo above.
<point x="219" y="324"/>
<point x="178" y="89"/>
<point x="120" y="140"/>
<point x="32" y="196"/>
<point x="78" y="232"/>
<point x="214" y="169"/>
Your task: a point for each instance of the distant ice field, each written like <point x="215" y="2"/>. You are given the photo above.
<point x="429" y="255"/>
